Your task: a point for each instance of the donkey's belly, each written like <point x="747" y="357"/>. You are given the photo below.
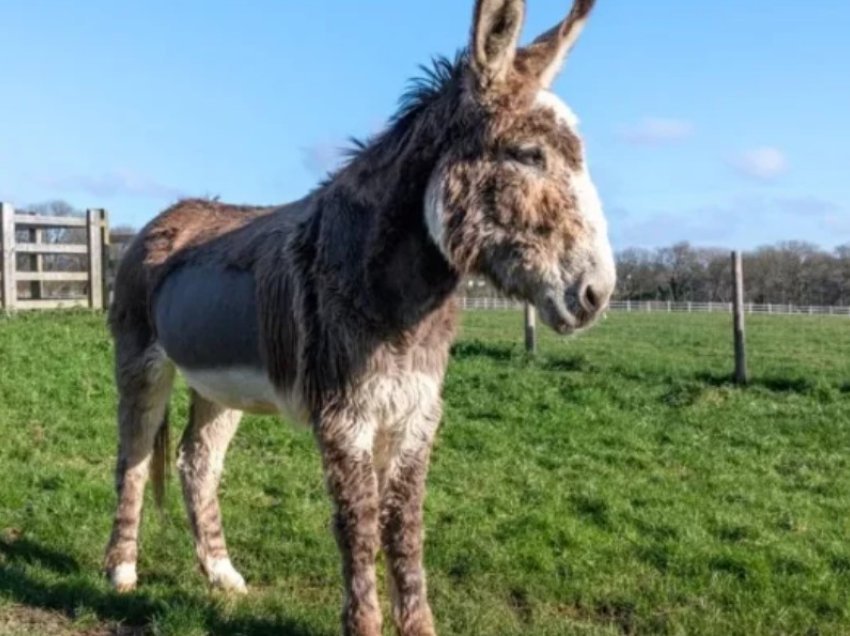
<point x="206" y="321"/>
<point x="240" y="388"/>
<point x="206" y="318"/>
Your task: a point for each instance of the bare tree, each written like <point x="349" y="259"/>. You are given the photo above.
<point x="795" y="273"/>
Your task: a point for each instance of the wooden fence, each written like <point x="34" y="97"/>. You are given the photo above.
<point x="30" y="247"/>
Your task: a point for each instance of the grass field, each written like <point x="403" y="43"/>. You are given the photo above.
<point x="617" y="484"/>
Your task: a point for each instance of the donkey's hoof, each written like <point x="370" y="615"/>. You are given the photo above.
<point x="123" y="577"/>
<point x="223" y="576"/>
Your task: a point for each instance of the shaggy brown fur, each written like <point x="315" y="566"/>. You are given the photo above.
<point x="354" y="296"/>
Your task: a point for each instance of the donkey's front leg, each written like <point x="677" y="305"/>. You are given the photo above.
<point x="401" y="521"/>
<point x="351" y="479"/>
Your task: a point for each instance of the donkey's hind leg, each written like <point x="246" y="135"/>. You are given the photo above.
<point x="201" y="460"/>
<point x="144" y="377"/>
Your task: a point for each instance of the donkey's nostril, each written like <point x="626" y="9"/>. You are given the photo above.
<point x="589" y="299"/>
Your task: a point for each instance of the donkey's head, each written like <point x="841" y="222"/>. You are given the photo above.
<point x="511" y="198"/>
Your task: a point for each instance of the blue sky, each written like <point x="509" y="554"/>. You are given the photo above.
<point x="723" y="123"/>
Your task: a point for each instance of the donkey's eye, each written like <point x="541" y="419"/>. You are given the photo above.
<point x="532" y="156"/>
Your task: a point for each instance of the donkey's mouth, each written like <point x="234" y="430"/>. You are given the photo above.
<point x="565" y="314"/>
<point x="555" y="313"/>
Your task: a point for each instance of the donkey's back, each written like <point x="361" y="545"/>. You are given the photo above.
<point x="187" y="292"/>
<point x="172" y="238"/>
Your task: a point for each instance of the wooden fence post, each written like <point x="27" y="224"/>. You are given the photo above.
<point x="95" y="220"/>
<point x="105" y="256"/>
<point x="7" y="255"/>
<point x="741" y="376"/>
<point x="36" y="264"/>
<point x="530" y="328"/>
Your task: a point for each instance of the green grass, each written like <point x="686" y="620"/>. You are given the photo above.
<point x="616" y="484"/>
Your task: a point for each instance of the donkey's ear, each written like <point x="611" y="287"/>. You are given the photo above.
<point x="495" y="33"/>
<point x="545" y="56"/>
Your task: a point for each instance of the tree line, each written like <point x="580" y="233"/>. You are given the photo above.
<point x="795" y="273"/>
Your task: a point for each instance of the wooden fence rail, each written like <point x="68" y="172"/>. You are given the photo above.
<point x="92" y="247"/>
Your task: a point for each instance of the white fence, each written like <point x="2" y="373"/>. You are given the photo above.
<point x="656" y="306"/>
<point x="750" y="308"/>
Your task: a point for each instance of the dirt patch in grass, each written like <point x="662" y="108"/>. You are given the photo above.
<point x="19" y="620"/>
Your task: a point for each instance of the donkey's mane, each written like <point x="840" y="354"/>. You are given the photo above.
<point x="423" y="90"/>
<point x="437" y="80"/>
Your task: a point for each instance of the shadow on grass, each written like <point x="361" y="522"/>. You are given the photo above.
<point x="683" y="394"/>
<point x="775" y="384"/>
<point x="25" y="551"/>
<point x="593" y="509"/>
<point x="71" y="593"/>
<point x="564" y="364"/>
<point x="802" y="386"/>
<point x="479" y="349"/>
<point x="687" y="390"/>
<point x="512" y="352"/>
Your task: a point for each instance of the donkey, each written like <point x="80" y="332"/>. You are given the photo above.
<point x="339" y="309"/>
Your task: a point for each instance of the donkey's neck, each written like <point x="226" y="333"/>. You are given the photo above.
<point x="375" y="243"/>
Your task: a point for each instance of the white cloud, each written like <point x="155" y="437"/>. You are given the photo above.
<point x="655" y="131"/>
<point x="111" y="184"/>
<point x="763" y="164"/>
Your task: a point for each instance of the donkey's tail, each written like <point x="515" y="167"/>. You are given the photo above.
<point x="159" y="462"/>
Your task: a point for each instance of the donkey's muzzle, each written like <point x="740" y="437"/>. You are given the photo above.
<point x="578" y="308"/>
